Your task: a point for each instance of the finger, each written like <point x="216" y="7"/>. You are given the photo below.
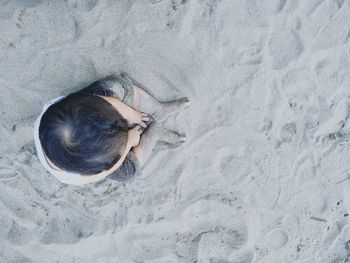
<point x="137" y="127"/>
<point x="145" y="118"/>
<point x="144" y="114"/>
<point x="143" y="124"/>
<point x="141" y="130"/>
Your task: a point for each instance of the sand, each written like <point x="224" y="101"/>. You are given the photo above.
<point x="264" y="176"/>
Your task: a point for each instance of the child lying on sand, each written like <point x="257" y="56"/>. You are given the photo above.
<point x="107" y="129"/>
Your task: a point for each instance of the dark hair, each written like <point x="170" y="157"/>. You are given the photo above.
<point x="83" y="133"/>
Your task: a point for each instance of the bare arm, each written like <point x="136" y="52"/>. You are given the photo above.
<point x="132" y="116"/>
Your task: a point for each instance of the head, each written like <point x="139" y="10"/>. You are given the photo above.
<point x="83" y="133"/>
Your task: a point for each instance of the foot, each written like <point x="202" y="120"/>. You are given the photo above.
<point x="155" y="129"/>
<point x="171" y="137"/>
<point x="175" y="105"/>
<point x="171" y="107"/>
<point x="151" y="136"/>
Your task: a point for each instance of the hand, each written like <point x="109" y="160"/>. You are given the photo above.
<point x="137" y="117"/>
<point x="134" y="135"/>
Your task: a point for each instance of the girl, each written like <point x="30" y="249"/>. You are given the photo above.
<point x="107" y="129"/>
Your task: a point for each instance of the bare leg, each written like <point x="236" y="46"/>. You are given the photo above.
<point x="160" y="111"/>
<point x="146" y="103"/>
<point x="150" y="137"/>
<point x="171" y="137"/>
<point x="147" y="143"/>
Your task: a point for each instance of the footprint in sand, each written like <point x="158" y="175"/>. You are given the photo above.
<point x="337" y="236"/>
<point x="7" y="172"/>
<point x="336" y="32"/>
<point x="251" y="55"/>
<point x="273" y="240"/>
<point x="287" y="132"/>
<point x="284" y="45"/>
<point x="65" y="230"/>
<point x="236" y="168"/>
<point x="305" y="167"/>
<point x="217" y="245"/>
<point x="215" y="231"/>
<point x="336" y="122"/>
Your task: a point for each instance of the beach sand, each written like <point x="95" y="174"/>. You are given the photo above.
<point x="264" y="176"/>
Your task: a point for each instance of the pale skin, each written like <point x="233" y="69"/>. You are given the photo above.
<point x="138" y="116"/>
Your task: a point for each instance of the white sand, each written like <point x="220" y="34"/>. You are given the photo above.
<point x="265" y="174"/>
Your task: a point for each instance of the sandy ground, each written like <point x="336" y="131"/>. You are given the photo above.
<point x="264" y="176"/>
